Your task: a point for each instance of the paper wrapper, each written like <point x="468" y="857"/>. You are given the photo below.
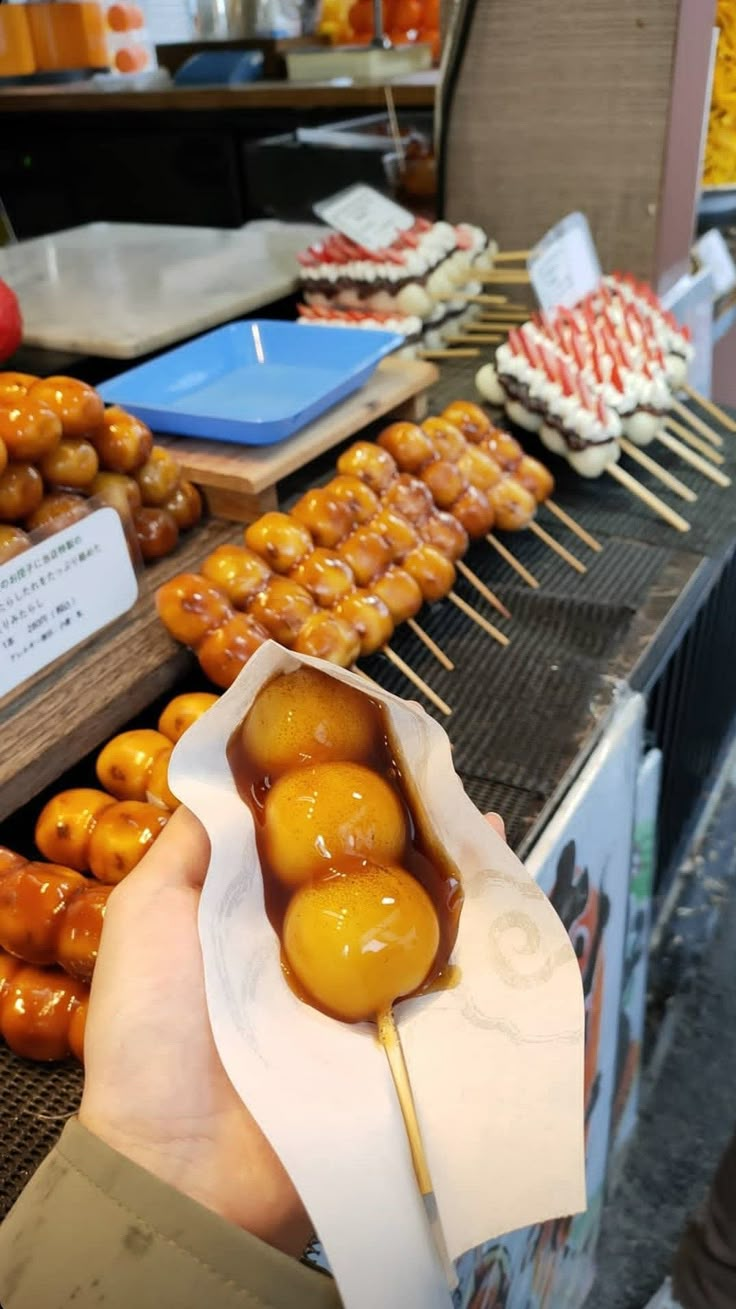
<point x="496" y="1063"/>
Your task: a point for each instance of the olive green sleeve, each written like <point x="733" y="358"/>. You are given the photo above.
<point x="93" y="1229"/>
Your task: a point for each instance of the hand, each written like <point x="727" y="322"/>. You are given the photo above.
<point x="155" y="1089"/>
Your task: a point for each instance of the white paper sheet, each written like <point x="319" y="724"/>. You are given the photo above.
<point x="496" y="1063"/>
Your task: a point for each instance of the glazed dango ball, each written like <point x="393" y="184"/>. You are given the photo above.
<point x="324" y="636"/>
<point x="408" y="445"/>
<point x="323" y="811"/>
<point x="279" y="539"/>
<point x="237" y="571"/>
<point x="122" y="835"/>
<point x="360" y="938"/>
<point x="189" y="607"/>
<point x="124" y="765"/>
<point x="534" y="477"/>
<point x="374" y="466"/>
<point x="13" y="541"/>
<point x="65" y="825"/>
<point x="184" y="710"/>
<point x="30" y="901"/>
<point x="306" y="718"/>
<point x="224" y="653"/>
<point x="469" y="418"/>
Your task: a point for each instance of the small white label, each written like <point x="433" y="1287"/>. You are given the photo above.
<point x="60" y="591"/>
<point x="691" y="301"/>
<point x="564" y="266"/>
<point x="365" y="216"/>
<point x="713" y="253"/>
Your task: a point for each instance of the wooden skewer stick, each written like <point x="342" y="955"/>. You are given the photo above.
<point x="510" y="256"/>
<point x="388" y="1036"/>
<point x="449" y="354"/>
<point x="573" y="526"/>
<point x="697" y="423"/>
<point x="653" y="501"/>
<point x="560" y="550"/>
<point x="477" y="618"/>
<point x="703" y="466"/>
<point x="719" y="414"/>
<point x="474" y="299"/>
<point x="656" y="470"/>
<point x="417" y="681"/>
<point x="513" y="562"/>
<point x="431" y="645"/>
<point x="481" y="587"/>
<point x="672" y="425"/>
<point x="467" y="338"/>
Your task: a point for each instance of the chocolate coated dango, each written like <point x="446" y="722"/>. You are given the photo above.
<point x="225" y="652"/>
<point x="184" y="710"/>
<point x="279" y="539"/>
<point x="360" y="938"/>
<point x="66" y="822"/>
<point x="321" y="812"/>
<point x="306" y="718"/>
<point x="325" y="636"/>
<point x="189" y="607"/>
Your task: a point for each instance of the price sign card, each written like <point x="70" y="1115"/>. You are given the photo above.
<point x="365" y="216"/>
<point x="60" y="591"/>
<point x="712" y="253"/>
<point x="564" y="266"/>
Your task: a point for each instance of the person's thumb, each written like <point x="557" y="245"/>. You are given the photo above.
<point x="180" y="855"/>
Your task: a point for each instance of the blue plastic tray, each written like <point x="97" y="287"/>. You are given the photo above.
<point x="251" y="383"/>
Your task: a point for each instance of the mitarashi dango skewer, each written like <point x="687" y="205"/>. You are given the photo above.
<point x="88" y="830"/>
<point x="42" y="1011"/>
<point x="50" y="914"/>
<point x="363" y="902"/>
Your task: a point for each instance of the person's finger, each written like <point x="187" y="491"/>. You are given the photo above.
<point x="180" y="855"/>
<point x="497" y="823"/>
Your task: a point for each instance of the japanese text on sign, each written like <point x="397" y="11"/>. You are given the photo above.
<point x="564" y="266"/>
<point x="365" y="216"/>
<point x="59" y="592"/>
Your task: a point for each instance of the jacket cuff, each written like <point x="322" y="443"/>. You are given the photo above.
<point x="95" y="1228"/>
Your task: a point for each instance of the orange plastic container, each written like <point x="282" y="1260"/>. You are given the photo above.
<point x="16" y="48"/>
<point x="68" y="35"/>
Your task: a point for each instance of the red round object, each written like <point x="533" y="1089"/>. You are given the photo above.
<point x="11" y="323"/>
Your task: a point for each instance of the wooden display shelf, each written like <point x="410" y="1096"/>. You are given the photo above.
<point x="241" y="482"/>
<point x="82" y="699"/>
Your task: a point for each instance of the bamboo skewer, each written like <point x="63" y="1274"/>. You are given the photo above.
<point x="468" y="338"/>
<point x="719" y="414"/>
<point x="477" y="618"/>
<point x="702" y="465"/>
<point x="480" y="299"/>
<point x="449" y="354"/>
<point x="672" y="425"/>
<point x="657" y="470"/>
<point x="481" y="587"/>
<point x="511" y="256"/>
<point x="573" y="526"/>
<point x="431" y="645"/>
<point x="560" y="550"/>
<point x="513" y="562"/>
<point x="697" y="423"/>
<point x="416" y="681"/>
<point x="388" y="1036"/>
<point x="653" y="501"/>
